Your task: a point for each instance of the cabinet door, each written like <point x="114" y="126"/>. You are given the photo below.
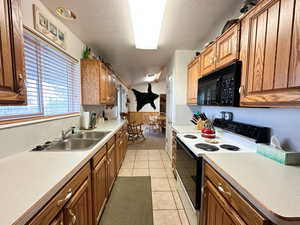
<point x="12" y="74"/>
<point x="270" y="55"/>
<point x="90" y="82"/>
<point x="216" y="210"/>
<point x="111" y="168"/>
<point x="208" y="59"/>
<point x="119" y="153"/>
<point x="99" y="188"/>
<point x="78" y="210"/>
<point x="103" y="84"/>
<point x="59" y="220"/>
<point x="193" y="75"/>
<point x="228" y="46"/>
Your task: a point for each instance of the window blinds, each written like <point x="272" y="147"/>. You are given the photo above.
<point x="52" y="81"/>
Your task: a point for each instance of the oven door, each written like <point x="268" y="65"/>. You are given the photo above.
<point x="189" y="169"/>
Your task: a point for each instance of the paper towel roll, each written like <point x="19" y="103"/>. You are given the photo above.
<point x="85" y="120"/>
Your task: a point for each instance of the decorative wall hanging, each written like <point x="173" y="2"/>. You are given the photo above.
<point x="143" y="99"/>
<point x="47" y="28"/>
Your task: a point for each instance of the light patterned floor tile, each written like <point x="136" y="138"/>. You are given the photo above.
<point x="158" y="173"/>
<point x="154" y="157"/>
<point x="125" y="172"/>
<point x="142" y="164"/>
<point x="157" y="164"/>
<point x="141" y="157"/>
<point x="160" y="184"/>
<point x="140" y="172"/>
<point x="173" y="183"/>
<point x="163" y="200"/>
<point x="127" y="165"/>
<point x="166" y="217"/>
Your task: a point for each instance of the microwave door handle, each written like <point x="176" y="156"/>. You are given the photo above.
<point x="218" y="91"/>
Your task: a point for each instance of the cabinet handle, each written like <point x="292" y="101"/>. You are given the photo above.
<point x="74" y="218"/>
<point x="61" y="223"/>
<point x="221" y="189"/>
<point x="20" y="76"/>
<point x="242" y="91"/>
<point x="68" y="196"/>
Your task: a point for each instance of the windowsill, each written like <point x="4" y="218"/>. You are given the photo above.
<point x="34" y="121"/>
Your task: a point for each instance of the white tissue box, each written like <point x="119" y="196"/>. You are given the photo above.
<point x="278" y="155"/>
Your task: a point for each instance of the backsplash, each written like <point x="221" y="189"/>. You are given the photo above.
<point x="23" y="138"/>
<point x="284" y="123"/>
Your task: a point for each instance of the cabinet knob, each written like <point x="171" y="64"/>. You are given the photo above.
<point x="221" y="189"/>
<point x="20" y="76"/>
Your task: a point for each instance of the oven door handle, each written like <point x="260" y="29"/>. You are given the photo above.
<point x="185" y="148"/>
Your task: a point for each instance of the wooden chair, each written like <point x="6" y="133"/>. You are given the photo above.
<point x="135" y="131"/>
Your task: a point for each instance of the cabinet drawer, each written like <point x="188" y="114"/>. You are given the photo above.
<point x="99" y="155"/>
<point x="50" y="211"/>
<point x="111" y="142"/>
<point x="244" y="209"/>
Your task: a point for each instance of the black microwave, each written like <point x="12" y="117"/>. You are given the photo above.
<point x="221" y="88"/>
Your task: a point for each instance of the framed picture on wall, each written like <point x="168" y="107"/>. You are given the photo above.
<point x="48" y="28"/>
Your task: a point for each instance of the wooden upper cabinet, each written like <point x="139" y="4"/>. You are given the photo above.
<point x="90" y="82"/>
<point x="270" y="36"/>
<point x="97" y="83"/>
<point x="12" y="70"/>
<point x="103" y="84"/>
<point x="228" y="47"/>
<point x="208" y="59"/>
<point x="193" y="74"/>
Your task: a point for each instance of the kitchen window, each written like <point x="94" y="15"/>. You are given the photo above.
<point x="53" y="82"/>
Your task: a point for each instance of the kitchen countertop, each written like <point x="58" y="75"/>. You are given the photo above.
<point x="30" y="179"/>
<point x="273" y="188"/>
<point x="188" y="128"/>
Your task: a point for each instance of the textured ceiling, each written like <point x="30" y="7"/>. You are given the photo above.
<point x="105" y="26"/>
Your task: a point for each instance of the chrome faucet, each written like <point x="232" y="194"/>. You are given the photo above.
<point x="65" y="134"/>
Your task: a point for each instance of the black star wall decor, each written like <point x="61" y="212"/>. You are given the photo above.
<point x="143" y="99"/>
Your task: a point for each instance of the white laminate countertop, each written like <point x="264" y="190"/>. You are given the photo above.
<point x="273" y="188"/>
<point x="189" y="128"/>
<point x="30" y="179"/>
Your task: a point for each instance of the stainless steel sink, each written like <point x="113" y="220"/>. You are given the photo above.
<point x="93" y="135"/>
<point x="72" y="145"/>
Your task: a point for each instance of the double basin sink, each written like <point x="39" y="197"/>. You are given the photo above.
<point x="82" y="141"/>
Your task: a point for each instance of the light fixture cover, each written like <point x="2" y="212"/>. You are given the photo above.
<point x="65" y="13"/>
<point x="147" y="16"/>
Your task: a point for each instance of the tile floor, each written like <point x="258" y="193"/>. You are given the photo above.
<point x="167" y="206"/>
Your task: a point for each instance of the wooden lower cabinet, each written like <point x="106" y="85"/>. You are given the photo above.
<point x="99" y="188"/>
<point x="217" y="210"/>
<point x="71" y="205"/>
<point x="78" y="210"/>
<point x="59" y="220"/>
<point x="223" y="205"/>
<point x="119" y="153"/>
<point x="111" y="166"/>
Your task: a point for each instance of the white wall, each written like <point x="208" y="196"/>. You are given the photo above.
<point x="74" y="45"/>
<point x="17" y="139"/>
<point x="157" y="88"/>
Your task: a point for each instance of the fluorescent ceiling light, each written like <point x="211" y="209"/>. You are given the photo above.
<point x="146" y="16"/>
